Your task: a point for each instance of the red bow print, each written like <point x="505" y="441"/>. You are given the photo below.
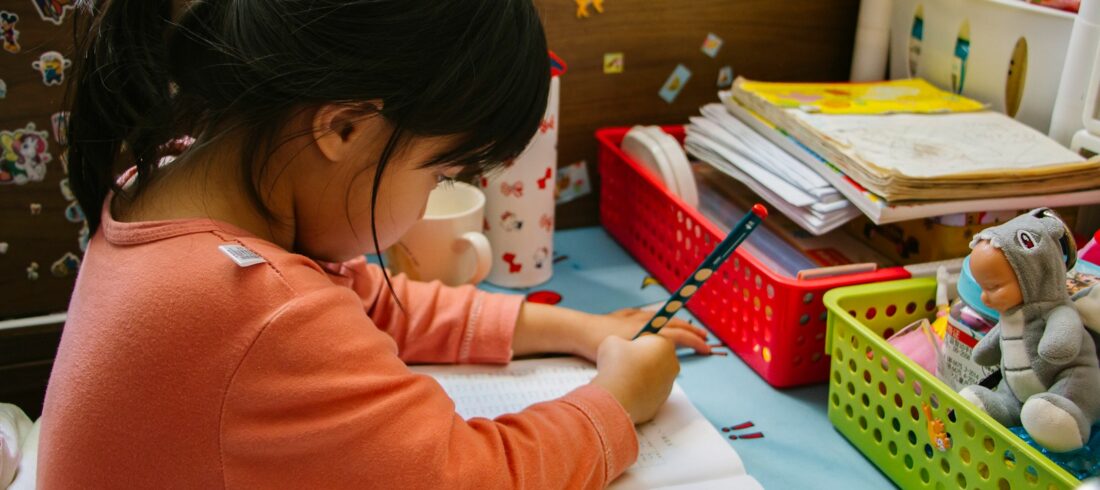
<point x="542" y="181"/>
<point x="514" y="189"/>
<point x="546" y="124"/>
<point x="546" y="222"/>
<point x="510" y="259"/>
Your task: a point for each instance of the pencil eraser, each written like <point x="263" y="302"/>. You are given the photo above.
<point x="760" y="210"/>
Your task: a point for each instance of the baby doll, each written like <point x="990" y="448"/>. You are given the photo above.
<point x="1051" y="377"/>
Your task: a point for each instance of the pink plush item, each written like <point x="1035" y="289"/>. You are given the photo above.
<point x="919" y="343"/>
<point x="1069" y="5"/>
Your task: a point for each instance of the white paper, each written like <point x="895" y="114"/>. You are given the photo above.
<point x="679" y="447"/>
<point x="960" y="143"/>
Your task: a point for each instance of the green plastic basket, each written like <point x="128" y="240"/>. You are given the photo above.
<point x="878" y="398"/>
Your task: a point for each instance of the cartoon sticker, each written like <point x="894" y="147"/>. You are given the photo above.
<point x="3" y="248"/>
<point x="64" y="159"/>
<point x="60" y="123"/>
<point x="613" y="63"/>
<point x="32" y="271"/>
<point x="36" y="209"/>
<point x="73" y="213"/>
<point x="66" y="190"/>
<point x="52" y="66"/>
<point x="712" y="44"/>
<point x="24" y="154"/>
<point x="572" y="182"/>
<point x="675" y="83"/>
<point x="83" y="237"/>
<point x="725" y="77"/>
<point x="541" y="256"/>
<point x="510" y="222"/>
<point x="3" y="89"/>
<point x="8" y="30"/>
<point x="53" y="10"/>
<point x="66" y="265"/>
<point x="582" y="7"/>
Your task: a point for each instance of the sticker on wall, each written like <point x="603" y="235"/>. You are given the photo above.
<point x="675" y="83"/>
<point x="962" y="56"/>
<point x="582" y="7"/>
<point x="60" y="123"/>
<point x="24" y="154"/>
<point x="725" y="77"/>
<point x="74" y="213"/>
<point x="66" y="190"/>
<point x="3" y="89"/>
<point x="64" y="159"/>
<point x="66" y="265"/>
<point x="712" y="44"/>
<point x="10" y="33"/>
<point x="613" y="63"/>
<point x="83" y="237"/>
<point x="52" y="66"/>
<point x="573" y="182"/>
<point x="3" y="248"/>
<point x="36" y="209"/>
<point x="53" y="10"/>
<point x="32" y="271"/>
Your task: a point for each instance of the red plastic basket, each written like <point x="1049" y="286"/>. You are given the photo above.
<point x="776" y="324"/>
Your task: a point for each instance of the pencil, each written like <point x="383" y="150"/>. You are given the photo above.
<point x="705" y="270"/>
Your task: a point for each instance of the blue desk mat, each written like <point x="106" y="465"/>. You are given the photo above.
<point x="800" y="448"/>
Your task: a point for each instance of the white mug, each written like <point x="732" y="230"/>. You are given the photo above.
<point x="447" y="244"/>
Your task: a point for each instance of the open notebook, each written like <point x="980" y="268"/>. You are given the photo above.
<point x="679" y="449"/>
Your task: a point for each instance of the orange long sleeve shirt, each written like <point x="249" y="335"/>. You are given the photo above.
<point x="179" y="368"/>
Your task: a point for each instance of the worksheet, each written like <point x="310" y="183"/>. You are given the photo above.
<point x="679" y="449"/>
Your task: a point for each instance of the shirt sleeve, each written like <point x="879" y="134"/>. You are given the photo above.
<point x="321" y="400"/>
<point x="433" y="323"/>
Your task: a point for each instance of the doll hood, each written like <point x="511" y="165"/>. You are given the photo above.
<point x="1039" y="248"/>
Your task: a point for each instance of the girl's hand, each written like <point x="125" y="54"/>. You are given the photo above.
<point x="625" y="324"/>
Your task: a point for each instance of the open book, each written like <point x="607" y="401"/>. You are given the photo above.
<point x="679" y="449"/>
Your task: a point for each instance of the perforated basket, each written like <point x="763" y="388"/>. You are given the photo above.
<point x="878" y="398"/>
<point x="775" y="323"/>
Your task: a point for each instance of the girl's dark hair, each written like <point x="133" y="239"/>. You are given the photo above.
<point x="474" y="68"/>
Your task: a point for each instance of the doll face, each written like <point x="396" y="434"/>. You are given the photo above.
<point x="993" y="273"/>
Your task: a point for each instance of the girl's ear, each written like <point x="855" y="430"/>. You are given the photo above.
<point x="342" y="130"/>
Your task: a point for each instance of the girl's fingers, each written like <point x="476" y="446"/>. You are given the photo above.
<point x="686" y="339"/>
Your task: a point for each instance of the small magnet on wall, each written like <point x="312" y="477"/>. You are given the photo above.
<point x="32" y="271"/>
<point x="9" y="32"/>
<point x="582" y="7"/>
<point x="36" y="209"/>
<point x="3" y="248"/>
<point x="725" y="77"/>
<point x="612" y="63"/>
<point x="711" y="45"/>
<point x="66" y="265"/>
<point x="675" y="83"/>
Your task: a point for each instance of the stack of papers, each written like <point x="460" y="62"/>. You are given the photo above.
<point x="903" y="166"/>
<point x="928" y="156"/>
<point x="787" y="184"/>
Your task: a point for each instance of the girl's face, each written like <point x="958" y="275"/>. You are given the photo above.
<point x="332" y="183"/>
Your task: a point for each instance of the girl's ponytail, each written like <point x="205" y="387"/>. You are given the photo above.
<point x="119" y="96"/>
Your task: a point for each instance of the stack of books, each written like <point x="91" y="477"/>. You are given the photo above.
<point x="897" y="150"/>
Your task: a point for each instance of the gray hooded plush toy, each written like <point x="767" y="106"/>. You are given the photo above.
<point x="1051" y="378"/>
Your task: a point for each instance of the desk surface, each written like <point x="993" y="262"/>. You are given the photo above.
<point x="800" y="447"/>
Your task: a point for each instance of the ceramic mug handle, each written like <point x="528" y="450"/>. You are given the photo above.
<point x="483" y="253"/>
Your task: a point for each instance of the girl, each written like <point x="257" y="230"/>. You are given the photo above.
<point x="225" y="331"/>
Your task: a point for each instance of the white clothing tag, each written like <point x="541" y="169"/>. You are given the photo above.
<point x="241" y="255"/>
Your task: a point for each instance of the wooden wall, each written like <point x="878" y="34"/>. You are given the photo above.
<point x="763" y="39"/>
